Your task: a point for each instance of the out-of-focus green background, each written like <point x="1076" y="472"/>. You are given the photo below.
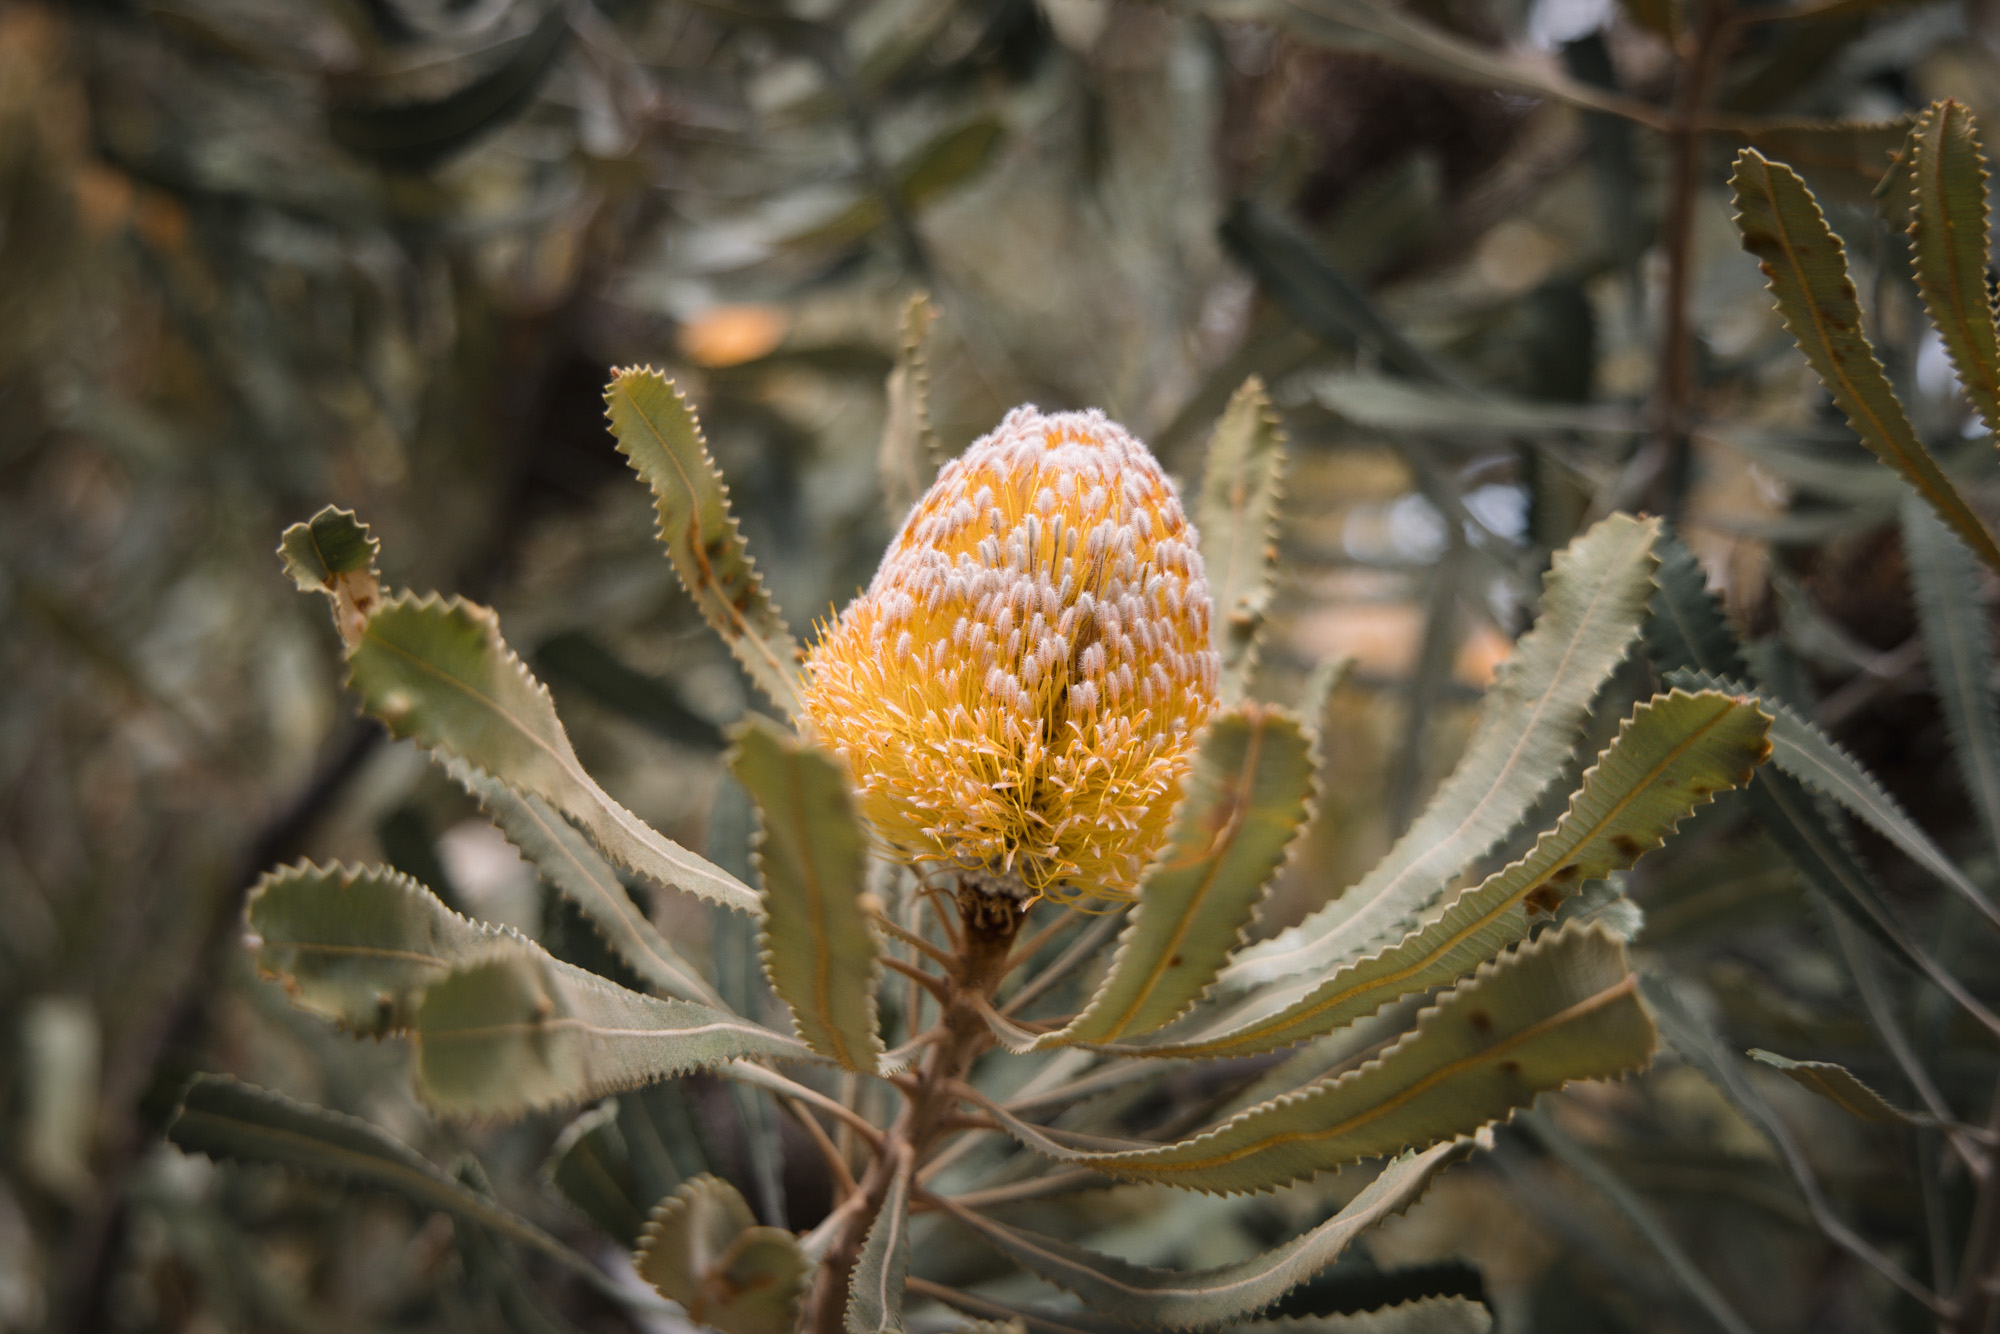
<point x="256" y="257"/>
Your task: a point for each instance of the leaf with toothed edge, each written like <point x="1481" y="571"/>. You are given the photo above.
<point x="658" y="433"/>
<point x="875" y="1290"/>
<point x="1556" y="1009"/>
<point x="1419" y="1315"/>
<point x="1837" y="1084"/>
<point x="1237" y="518"/>
<point x="439" y="672"/>
<point x="911" y="453"/>
<point x="1949" y="249"/>
<point x="703" y="1248"/>
<point x="819" y="948"/>
<point x="1781" y="224"/>
<point x="334" y="553"/>
<point x="1592" y="602"/>
<point x="1669" y="758"/>
<point x="1213" y="1297"/>
<point x="590" y="1166"/>
<point x="517" y="1031"/>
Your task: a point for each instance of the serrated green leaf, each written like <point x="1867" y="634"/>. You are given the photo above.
<point x="1420" y="1315"/>
<point x="657" y="431"/>
<point x="439" y="672"/>
<point x="1237" y="518"/>
<point x="1671" y="757"/>
<point x="591" y="1167"/>
<point x="1950" y="249"/>
<point x="568" y="862"/>
<point x="1214" y="1297"/>
<point x="1807" y="267"/>
<point x="703" y="1249"/>
<point x="358" y="945"/>
<point x="875" y="1290"/>
<point x="1801" y="749"/>
<point x="1837" y="1084"/>
<point x="819" y="948"/>
<point x="1592" y="602"/>
<point x="516" y="1031"/>
<point x="1685" y="626"/>
<point x="334" y="553"/>
<point x="1951" y="615"/>
<point x="1559" y="1008"/>
<point x="911" y="452"/>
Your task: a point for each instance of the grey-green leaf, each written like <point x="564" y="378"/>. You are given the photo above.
<point x="334" y="553"/>
<point x="658" y="432"/>
<point x="592" y="1168"/>
<point x="1592" y="603"/>
<point x="1951" y="615"/>
<point x="911" y="453"/>
<point x="1237" y="519"/>
<point x="438" y="671"/>
<point x="819" y="947"/>
<point x="703" y="1248"/>
<point x="875" y="1290"/>
<point x="1949" y="248"/>
<point x="1807" y="267"/>
<point x="516" y="1031"/>
<point x="1837" y="1084"/>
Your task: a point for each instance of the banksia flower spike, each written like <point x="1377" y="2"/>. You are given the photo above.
<point x="1018" y="690"/>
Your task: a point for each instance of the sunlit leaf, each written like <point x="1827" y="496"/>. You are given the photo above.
<point x="1950" y="249"/>
<point x="1837" y="1084"/>
<point x="334" y="553"/>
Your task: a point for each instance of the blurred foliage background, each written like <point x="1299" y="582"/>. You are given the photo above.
<point x="256" y="257"/>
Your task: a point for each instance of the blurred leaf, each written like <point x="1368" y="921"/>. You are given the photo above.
<point x="658" y="433"/>
<point x="592" y="1169"/>
<point x="703" y="1249"/>
<point x="1399" y="405"/>
<point x="580" y="658"/>
<point x="413" y="135"/>
<point x="819" y="947"/>
<point x="1807" y="268"/>
<point x="1209" y="1298"/>
<point x="1670" y="758"/>
<point x="1655" y="16"/>
<point x="438" y="671"/>
<point x="1559" y="1008"/>
<point x="334" y="553"/>
<point x="568" y="862"/>
<point x="1592" y="602"/>
<point x="1237" y="518"/>
<point x="1951" y="249"/>
<point x="491" y="1266"/>
<point x="911" y="452"/>
<point x="948" y="159"/>
<point x="1835" y="1083"/>
<point x="1951" y="612"/>
<point x="875" y="1290"/>
<point x="517" y="1031"/>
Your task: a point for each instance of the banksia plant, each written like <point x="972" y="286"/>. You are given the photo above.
<point x="1013" y="832"/>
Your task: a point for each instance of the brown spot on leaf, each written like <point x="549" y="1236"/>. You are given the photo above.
<point x="1510" y="1068"/>
<point x="1482" y="1022"/>
<point x="1174" y="962"/>
<point x="1627" y="846"/>
<point x="1542" y="899"/>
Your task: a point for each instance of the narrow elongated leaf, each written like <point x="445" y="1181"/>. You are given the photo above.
<point x="1837" y="1084"/>
<point x="359" y="944"/>
<point x="657" y="431"/>
<point x="1246" y="799"/>
<point x="334" y="553"/>
<point x="568" y="862"/>
<point x="703" y="1249"/>
<point x="438" y="671"/>
<point x="1951" y="613"/>
<point x="1685" y="626"/>
<point x="911" y="453"/>
<point x="1801" y="749"/>
<point x="875" y="1291"/>
<point x="819" y="948"/>
<point x="1669" y="758"/>
<point x="516" y="1031"/>
<point x="1559" y="1008"/>
<point x="1420" y="1315"/>
<point x="1207" y="1298"/>
<point x="592" y="1168"/>
<point x="1237" y="516"/>
<point x="1592" y="602"/>
<point x="1950" y="249"/>
<point x="1807" y="268"/>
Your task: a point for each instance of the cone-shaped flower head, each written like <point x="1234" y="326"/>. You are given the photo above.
<point x="1018" y="690"/>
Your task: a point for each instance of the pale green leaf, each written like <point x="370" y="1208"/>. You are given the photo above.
<point x="1237" y="518"/>
<point x="875" y="1290"/>
<point x="1950" y="249"/>
<point x="1951" y="613"/>
<point x="1807" y="267"/>
<point x="1671" y="756"/>
<point x="439" y="672"/>
<point x="911" y="452"/>
<point x="819" y="947"/>
<point x="334" y="553"/>
<point x="703" y="1248"/>
<point x="657" y="431"/>
<point x="516" y="1031"/>
<point x="1559" y="1008"/>
<point x="1592" y="603"/>
<point x="1214" y="1297"/>
<point x="1837" y="1084"/>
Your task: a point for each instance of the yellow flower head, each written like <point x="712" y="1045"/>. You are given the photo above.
<point x="1018" y="690"/>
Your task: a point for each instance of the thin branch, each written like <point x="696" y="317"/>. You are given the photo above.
<point x="979" y="1306"/>
<point x="1024" y="952"/>
<point x="1034" y="1188"/>
<point x="912" y="939"/>
<point x="836" y="1162"/>
<point x="1093" y="939"/>
<point x="750" y="1073"/>
<point x="934" y="985"/>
